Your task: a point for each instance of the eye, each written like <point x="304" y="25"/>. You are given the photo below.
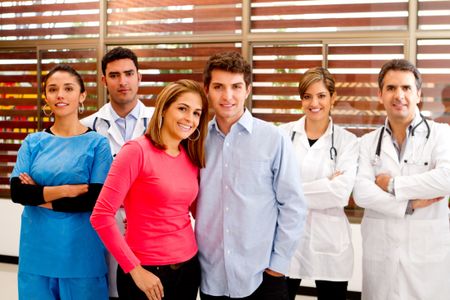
<point x="51" y="90"/>
<point x="69" y="89"/>
<point x="237" y="86"/>
<point x="197" y="113"/>
<point x="306" y="97"/>
<point x="130" y="73"/>
<point x="217" y="87"/>
<point x="182" y="108"/>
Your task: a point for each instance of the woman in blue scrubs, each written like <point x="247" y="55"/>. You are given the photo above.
<point x="57" y="177"/>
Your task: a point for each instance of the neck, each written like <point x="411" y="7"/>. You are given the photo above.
<point x="122" y="110"/>
<point x="399" y="129"/>
<point x="315" y="129"/>
<point x="225" y="124"/>
<point x="172" y="145"/>
<point x="68" y="127"/>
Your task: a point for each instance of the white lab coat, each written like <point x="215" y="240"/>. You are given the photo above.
<point x="406" y="256"/>
<point x="325" y="251"/>
<point x="103" y="122"/>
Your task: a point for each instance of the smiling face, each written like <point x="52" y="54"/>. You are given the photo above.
<point x="181" y="118"/>
<point x="317" y="102"/>
<point x="122" y="81"/>
<point x="400" y="96"/>
<point x="227" y="93"/>
<point x="63" y="94"/>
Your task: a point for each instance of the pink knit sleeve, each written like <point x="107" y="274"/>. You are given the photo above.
<point x="124" y="170"/>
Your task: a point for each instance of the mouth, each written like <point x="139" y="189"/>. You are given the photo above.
<point x="61" y="104"/>
<point x="315" y="110"/>
<point x="184" y="127"/>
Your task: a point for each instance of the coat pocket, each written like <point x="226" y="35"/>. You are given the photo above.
<point x="329" y="234"/>
<point x="429" y="240"/>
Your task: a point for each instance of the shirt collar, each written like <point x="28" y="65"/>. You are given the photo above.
<point x="245" y="122"/>
<point x="416" y="120"/>
<point x="134" y="113"/>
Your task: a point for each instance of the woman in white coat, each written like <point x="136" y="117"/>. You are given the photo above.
<point x="327" y="156"/>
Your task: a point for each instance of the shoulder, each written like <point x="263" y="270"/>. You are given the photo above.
<point x="288" y="127"/>
<point x="266" y="127"/>
<point x="344" y="133"/>
<point x="370" y="138"/>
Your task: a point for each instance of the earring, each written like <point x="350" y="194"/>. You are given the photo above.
<point x="81" y="108"/>
<point x="45" y="109"/>
<point x="196" y="138"/>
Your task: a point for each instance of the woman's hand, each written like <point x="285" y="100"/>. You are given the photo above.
<point x="26" y="179"/>
<point x="148" y="283"/>
<point x="335" y="174"/>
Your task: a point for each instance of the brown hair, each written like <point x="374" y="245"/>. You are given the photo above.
<point x="399" y="65"/>
<point x="313" y="75"/>
<point x="194" y="148"/>
<point x="230" y="62"/>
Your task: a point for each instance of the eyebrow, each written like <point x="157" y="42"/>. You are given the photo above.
<point x="118" y="72"/>
<point x="186" y="105"/>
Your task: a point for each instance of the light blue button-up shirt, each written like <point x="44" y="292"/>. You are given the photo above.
<point x="126" y="125"/>
<point x="251" y="209"/>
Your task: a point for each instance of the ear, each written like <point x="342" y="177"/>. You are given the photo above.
<point x="104" y="81"/>
<point x="139" y="77"/>
<point x="380" y="94"/>
<point x="333" y="99"/>
<point x="249" y="89"/>
<point x="83" y="97"/>
<point x="419" y="96"/>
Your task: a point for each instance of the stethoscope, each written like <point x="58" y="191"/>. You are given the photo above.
<point x="145" y="120"/>
<point x="376" y="160"/>
<point x="333" y="150"/>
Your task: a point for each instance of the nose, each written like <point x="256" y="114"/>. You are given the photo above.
<point x="227" y="94"/>
<point x="314" y="100"/>
<point x="123" y="79"/>
<point x="399" y="93"/>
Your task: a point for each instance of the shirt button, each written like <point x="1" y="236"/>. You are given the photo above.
<point x="228" y="251"/>
<point x="226" y="165"/>
<point x="227" y="231"/>
<point x="226" y="208"/>
<point x="226" y="187"/>
<point x="228" y="144"/>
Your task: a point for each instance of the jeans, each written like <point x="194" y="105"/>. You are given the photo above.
<point x="271" y="288"/>
<point x="180" y="281"/>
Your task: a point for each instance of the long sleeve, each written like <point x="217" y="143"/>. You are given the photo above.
<point x="324" y="193"/>
<point x="26" y="194"/>
<point x="124" y="170"/>
<point x="366" y="193"/>
<point x="291" y="207"/>
<point x="80" y="203"/>
<point x="432" y="183"/>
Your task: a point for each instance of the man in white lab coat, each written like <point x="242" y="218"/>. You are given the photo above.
<point x="403" y="183"/>
<point x="123" y="118"/>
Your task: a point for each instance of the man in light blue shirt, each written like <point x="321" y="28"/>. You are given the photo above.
<point x="251" y="209"/>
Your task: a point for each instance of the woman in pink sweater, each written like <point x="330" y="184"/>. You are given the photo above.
<point x="155" y="177"/>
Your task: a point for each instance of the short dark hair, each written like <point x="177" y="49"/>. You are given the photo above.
<point x="67" y="69"/>
<point x="116" y="54"/>
<point x="227" y="61"/>
<point x="399" y="65"/>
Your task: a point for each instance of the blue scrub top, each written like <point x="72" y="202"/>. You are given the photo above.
<point x="58" y="244"/>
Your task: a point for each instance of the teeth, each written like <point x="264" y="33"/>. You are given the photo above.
<point x="186" y="127"/>
<point x="60" y="104"/>
<point x="315" y="109"/>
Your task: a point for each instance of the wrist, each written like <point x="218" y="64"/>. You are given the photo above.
<point x="390" y="186"/>
<point x="409" y="208"/>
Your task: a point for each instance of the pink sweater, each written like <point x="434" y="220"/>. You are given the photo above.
<point x="156" y="190"/>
